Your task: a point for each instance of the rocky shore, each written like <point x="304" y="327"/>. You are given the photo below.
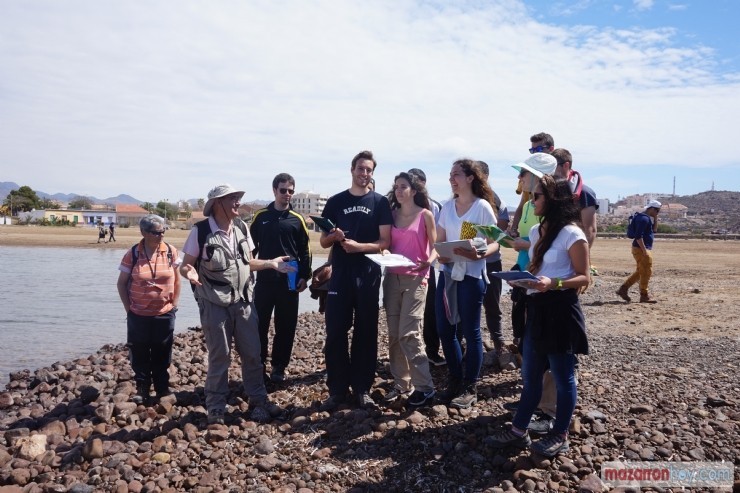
<point x="72" y="426"/>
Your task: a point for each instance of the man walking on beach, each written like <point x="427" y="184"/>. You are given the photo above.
<point x="112" y="232"/>
<point x="279" y="231"/>
<point x="218" y="262"/>
<point x="645" y="227"/>
<point x="363" y="225"/>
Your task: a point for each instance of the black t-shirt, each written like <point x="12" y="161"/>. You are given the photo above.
<point x="360" y="219"/>
<point x="588" y="198"/>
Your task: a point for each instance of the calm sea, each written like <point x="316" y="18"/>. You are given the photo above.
<point x="58" y="304"/>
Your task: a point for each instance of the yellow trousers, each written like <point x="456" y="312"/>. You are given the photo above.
<point x="644" y="270"/>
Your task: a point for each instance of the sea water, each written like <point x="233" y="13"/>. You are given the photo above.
<point x="61" y="303"/>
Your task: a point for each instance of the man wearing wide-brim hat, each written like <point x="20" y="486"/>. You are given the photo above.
<point x="645" y="227"/>
<point x="218" y="263"/>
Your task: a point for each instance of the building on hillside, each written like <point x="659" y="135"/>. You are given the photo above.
<point x="128" y="214"/>
<point x="674" y="211"/>
<point x="309" y="203"/>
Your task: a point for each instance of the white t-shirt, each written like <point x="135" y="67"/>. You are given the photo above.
<point x="480" y="212"/>
<point x="556" y="262"/>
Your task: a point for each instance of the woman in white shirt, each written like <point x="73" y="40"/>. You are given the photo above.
<point x="556" y="330"/>
<point x="461" y="287"/>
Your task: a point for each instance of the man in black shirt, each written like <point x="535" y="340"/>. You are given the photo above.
<point x="279" y="231"/>
<point x="363" y="225"/>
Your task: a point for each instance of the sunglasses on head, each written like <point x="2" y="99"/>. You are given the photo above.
<point x="532" y="150"/>
<point x="286" y="190"/>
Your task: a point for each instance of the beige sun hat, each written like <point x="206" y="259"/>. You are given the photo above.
<point x="216" y="193"/>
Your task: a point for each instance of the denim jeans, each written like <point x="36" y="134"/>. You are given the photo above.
<point x="470" y="293"/>
<point x="534" y="364"/>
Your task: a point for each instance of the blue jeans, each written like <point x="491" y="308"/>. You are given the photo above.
<point x="470" y="293"/>
<point x="534" y="364"/>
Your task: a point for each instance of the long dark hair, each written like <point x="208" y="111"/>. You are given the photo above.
<point x="480" y="186"/>
<point x="421" y="197"/>
<point x="560" y="210"/>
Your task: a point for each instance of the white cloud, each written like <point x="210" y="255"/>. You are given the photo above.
<point x="643" y="4"/>
<point x="166" y="99"/>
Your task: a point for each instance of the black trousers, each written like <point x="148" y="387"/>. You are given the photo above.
<point x="431" y="338"/>
<point x="491" y="302"/>
<point x="149" y="340"/>
<point x="352" y="303"/>
<point x="274" y="294"/>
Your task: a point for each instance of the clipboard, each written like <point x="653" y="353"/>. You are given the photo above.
<point x="390" y="260"/>
<point x="516" y="277"/>
<point x="323" y="223"/>
<point x="445" y="249"/>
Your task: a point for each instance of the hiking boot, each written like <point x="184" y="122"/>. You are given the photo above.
<point x="260" y="414"/>
<point x="467" y="397"/>
<point x="364" y="401"/>
<point x="394" y="394"/>
<point x="216" y="417"/>
<point x="645" y="298"/>
<point x="622" y="293"/>
<point x="278" y="374"/>
<point x="508" y="438"/>
<point x="454" y="388"/>
<point x="142" y="395"/>
<point x="332" y="402"/>
<point x="540" y="424"/>
<point x="419" y="398"/>
<point x="551" y="445"/>
<point x="436" y="360"/>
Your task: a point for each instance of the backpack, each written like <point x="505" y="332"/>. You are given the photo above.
<point x="203" y="230"/>
<point x="631" y="225"/>
<point x="135" y="254"/>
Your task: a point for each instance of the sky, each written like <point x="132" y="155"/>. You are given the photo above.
<point x="163" y="100"/>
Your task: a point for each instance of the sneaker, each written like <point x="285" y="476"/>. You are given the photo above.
<point x="622" y="293"/>
<point x="436" y="360"/>
<point x="260" y="414"/>
<point x="511" y="406"/>
<point x="467" y="397"/>
<point x="454" y="388"/>
<point x="278" y="374"/>
<point x="540" y="424"/>
<point x="216" y="417"/>
<point x="395" y="394"/>
<point x="551" y="445"/>
<point x="419" y="398"/>
<point x="332" y="402"/>
<point x="364" y="401"/>
<point x="508" y="438"/>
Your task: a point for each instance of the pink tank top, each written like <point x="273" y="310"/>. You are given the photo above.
<point x="412" y="243"/>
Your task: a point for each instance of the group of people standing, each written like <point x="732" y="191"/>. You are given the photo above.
<point x="554" y="227"/>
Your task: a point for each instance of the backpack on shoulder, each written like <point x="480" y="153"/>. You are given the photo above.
<point x="632" y="226"/>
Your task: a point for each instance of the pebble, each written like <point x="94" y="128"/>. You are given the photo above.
<point x="89" y="436"/>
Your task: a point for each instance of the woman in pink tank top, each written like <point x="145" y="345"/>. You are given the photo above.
<point x="405" y="288"/>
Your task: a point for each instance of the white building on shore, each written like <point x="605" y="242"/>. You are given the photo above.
<point x="309" y="203"/>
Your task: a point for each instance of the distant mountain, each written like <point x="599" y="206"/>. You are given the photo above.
<point x="7" y="186"/>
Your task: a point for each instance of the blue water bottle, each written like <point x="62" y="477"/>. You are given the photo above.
<point x="293" y="276"/>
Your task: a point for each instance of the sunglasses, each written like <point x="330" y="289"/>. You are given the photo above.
<point x="532" y="150"/>
<point x="536" y="196"/>
<point x="157" y="233"/>
<point x="286" y="190"/>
